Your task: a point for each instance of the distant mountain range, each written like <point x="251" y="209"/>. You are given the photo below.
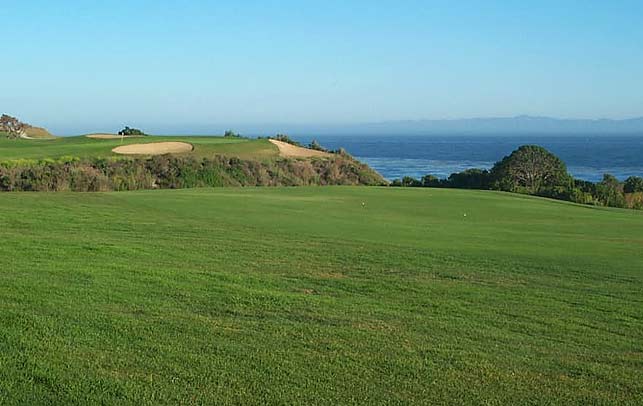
<point x="501" y="125"/>
<point x="520" y="125"/>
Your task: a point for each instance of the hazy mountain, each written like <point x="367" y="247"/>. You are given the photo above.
<point x="506" y="125"/>
<point x="519" y="125"/>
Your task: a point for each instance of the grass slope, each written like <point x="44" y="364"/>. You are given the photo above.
<point x="87" y="147"/>
<point x="304" y="296"/>
<point x="38" y="132"/>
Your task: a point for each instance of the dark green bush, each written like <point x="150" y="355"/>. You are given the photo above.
<point x="131" y="132"/>
<point x="231" y="134"/>
<point x="609" y="192"/>
<point x="633" y="184"/>
<point x="470" y="179"/>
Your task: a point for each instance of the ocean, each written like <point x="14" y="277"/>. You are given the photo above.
<point x="587" y="157"/>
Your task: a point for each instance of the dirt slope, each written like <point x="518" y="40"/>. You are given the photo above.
<point x="293" y="151"/>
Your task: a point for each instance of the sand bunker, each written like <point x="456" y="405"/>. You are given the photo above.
<point x="292" y="151"/>
<point x="155" y="148"/>
<point x="107" y="136"/>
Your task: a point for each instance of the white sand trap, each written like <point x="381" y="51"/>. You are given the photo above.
<point x="154" y="148"/>
<point x="107" y="136"/>
<point x="293" y="151"/>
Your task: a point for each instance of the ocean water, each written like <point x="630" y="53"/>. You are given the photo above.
<point x="587" y="157"/>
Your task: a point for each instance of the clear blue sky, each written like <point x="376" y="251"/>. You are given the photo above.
<point x="83" y="65"/>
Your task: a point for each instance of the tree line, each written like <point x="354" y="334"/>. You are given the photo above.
<point x="533" y="170"/>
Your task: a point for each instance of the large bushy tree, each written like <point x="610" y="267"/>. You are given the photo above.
<point x="530" y="169"/>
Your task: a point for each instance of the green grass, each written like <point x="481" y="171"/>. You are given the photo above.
<point x="304" y="296"/>
<point x="86" y="147"/>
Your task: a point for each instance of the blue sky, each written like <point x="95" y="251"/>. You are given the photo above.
<point x="80" y="66"/>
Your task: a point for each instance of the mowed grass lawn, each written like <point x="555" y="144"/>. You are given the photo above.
<point x="84" y="147"/>
<point x="307" y="296"/>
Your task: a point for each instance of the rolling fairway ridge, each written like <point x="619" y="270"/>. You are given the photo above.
<point x="307" y="296"/>
<point x="85" y="147"/>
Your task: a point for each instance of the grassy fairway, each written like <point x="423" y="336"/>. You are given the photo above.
<point x="87" y="147"/>
<point x="304" y="296"/>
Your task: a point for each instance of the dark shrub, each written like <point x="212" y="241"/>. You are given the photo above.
<point x="633" y="184"/>
<point x="470" y="179"/>
<point x="231" y="134"/>
<point x="131" y="132"/>
<point x="609" y="192"/>
<point x="432" y="181"/>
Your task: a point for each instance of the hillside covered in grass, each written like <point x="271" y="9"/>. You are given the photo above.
<point x="318" y="296"/>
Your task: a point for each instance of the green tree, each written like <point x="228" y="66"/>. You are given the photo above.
<point x="530" y="169"/>
<point x="131" y="131"/>
<point x="408" y="181"/>
<point x="231" y="134"/>
<point x="609" y="192"/>
<point x="470" y="179"/>
<point x="432" y="181"/>
<point x="633" y="184"/>
<point x="578" y="195"/>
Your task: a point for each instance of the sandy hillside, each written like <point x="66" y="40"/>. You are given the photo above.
<point x="292" y="151"/>
<point x="155" y="148"/>
<point x="36" y="133"/>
